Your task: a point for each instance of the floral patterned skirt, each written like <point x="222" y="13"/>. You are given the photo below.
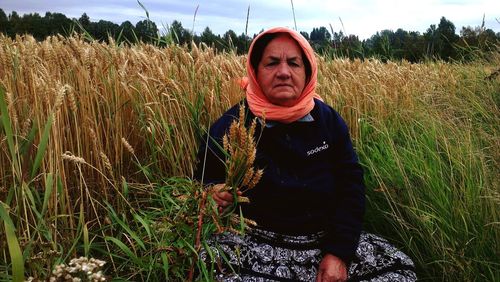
<point x="262" y="255"/>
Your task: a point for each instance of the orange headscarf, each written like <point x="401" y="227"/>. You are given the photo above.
<point x="258" y="102"/>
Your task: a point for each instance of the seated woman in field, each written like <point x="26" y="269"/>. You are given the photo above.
<point x="310" y="201"/>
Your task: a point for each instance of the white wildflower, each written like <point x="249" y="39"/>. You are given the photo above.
<point x="78" y="267"/>
<point x="85" y="267"/>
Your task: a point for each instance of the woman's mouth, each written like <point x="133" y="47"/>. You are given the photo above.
<point x="282" y="85"/>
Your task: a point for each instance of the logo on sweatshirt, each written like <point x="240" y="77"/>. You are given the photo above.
<point x="318" y="149"/>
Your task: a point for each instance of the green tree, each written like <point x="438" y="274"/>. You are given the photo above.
<point x="35" y="25"/>
<point x="347" y="46"/>
<point x="4" y="23"/>
<point x="208" y="37"/>
<point x="441" y="40"/>
<point x="146" y="30"/>
<point x="305" y="34"/>
<point x="179" y="33"/>
<point x="230" y="40"/>
<point x="476" y="41"/>
<point x="431" y="38"/>
<point x="14" y="21"/>
<point x="103" y="29"/>
<point x="127" y="31"/>
<point x="57" y="23"/>
<point x="84" y="20"/>
<point x="398" y="40"/>
<point x="243" y="43"/>
<point x="448" y="39"/>
<point x="414" y="47"/>
<point x="320" y="39"/>
<point x="379" y="45"/>
<point x="351" y="47"/>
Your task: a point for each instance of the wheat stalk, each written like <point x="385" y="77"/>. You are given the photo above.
<point x="70" y="157"/>
<point x="241" y="149"/>
<point x="128" y="146"/>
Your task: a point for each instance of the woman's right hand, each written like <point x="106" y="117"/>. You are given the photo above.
<point x="221" y="196"/>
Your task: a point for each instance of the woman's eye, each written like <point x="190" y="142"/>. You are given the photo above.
<point x="272" y="64"/>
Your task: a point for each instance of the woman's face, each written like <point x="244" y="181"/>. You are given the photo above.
<point x="281" y="72"/>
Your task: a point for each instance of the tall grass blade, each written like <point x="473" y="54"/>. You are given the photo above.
<point x="294" y="20"/>
<point x="143" y="222"/>
<point x="86" y="241"/>
<point x="86" y="34"/>
<point x="6" y="122"/>
<point x="144" y="8"/>
<point x="246" y="23"/>
<point x="28" y="140"/>
<point x="42" y="146"/>
<point x="124" y="225"/>
<point x="49" y="183"/>
<point x="34" y="202"/>
<point x="194" y="18"/>
<point x="16" y="255"/>
<point x="166" y="265"/>
<point x="127" y="251"/>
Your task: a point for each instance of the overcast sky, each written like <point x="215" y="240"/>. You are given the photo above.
<point x="360" y="17"/>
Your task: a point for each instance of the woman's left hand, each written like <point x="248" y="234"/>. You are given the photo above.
<point x="331" y="268"/>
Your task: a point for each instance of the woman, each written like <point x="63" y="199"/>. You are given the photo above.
<point x="309" y="203"/>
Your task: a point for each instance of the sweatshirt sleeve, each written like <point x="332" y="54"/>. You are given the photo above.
<point x="346" y="215"/>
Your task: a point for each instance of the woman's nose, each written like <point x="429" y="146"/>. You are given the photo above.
<point x="283" y="71"/>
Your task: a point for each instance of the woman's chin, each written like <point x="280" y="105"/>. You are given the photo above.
<point x="284" y="103"/>
<point x="285" y="100"/>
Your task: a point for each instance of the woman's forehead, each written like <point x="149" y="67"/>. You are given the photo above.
<point x="283" y="43"/>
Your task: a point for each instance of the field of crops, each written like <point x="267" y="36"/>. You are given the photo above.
<point x="98" y="145"/>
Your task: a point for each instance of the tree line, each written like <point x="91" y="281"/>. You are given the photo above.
<point x="438" y="42"/>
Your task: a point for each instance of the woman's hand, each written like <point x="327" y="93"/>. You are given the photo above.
<point x="221" y="197"/>
<point x="331" y="268"/>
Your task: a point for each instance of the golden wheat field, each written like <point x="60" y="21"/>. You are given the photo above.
<point x="89" y="122"/>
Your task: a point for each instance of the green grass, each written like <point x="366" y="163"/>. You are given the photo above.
<point x="157" y="242"/>
<point x="432" y="179"/>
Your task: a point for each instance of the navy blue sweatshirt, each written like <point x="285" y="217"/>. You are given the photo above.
<point x="312" y="180"/>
